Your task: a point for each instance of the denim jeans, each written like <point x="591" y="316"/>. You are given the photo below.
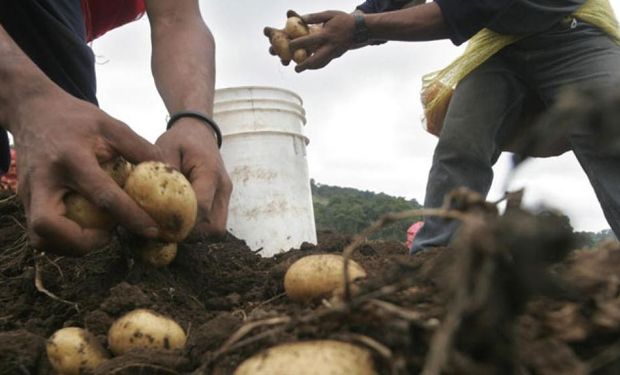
<point x="490" y="99"/>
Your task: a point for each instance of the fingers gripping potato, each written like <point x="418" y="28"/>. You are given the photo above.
<point x="74" y="351"/>
<point x="166" y="195"/>
<point x="294" y="28"/>
<point x="86" y="214"/>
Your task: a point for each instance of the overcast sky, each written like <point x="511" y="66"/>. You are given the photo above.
<point x="363" y="109"/>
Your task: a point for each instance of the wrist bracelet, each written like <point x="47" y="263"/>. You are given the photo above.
<point x="200" y="116"/>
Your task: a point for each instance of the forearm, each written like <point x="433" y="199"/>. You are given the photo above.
<point x="20" y="81"/>
<point x="418" y="23"/>
<point x="183" y="62"/>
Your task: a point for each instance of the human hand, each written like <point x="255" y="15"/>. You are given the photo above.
<point x="191" y="147"/>
<point x="60" y="142"/>
<point x="330" y="42"/>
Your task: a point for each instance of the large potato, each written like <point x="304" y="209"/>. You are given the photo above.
<point x="318" y="276"/>
<point x="157" y="254"/>
<point x="310" y="358"/>
<point x="143" y="328"/>
<point x="86" y="214"/>
<point x="74" y="351"/>
<point x="166" y="195"/>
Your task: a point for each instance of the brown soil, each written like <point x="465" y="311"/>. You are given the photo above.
<point x="534" y="310"/>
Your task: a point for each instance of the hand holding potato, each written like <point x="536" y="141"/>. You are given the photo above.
<point x="280" y="39"/>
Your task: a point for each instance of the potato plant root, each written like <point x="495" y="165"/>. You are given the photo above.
<point x="507" y="298"/>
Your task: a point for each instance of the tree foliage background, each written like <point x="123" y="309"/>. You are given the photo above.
<point x="349" y="211"/>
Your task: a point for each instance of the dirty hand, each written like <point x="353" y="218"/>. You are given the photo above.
<point x="332" y="41"/>
<point x="191" y="147"/>
<point x="60" y="142"/>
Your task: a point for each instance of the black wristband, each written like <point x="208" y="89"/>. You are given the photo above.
<point x="361" y="33"/>
<point x="200" y="116"/>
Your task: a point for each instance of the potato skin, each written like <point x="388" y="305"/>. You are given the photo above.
<point x="157" y="254"/>
<point x="74" y="351"/>
<point x="280" y="42"/>
<point x="300" y="56"/>
<point x="310" y="358"/>
<point x="119" y="169"/>
<point x="166" y="195"/>
<point x="318" y="276"/>
<point x="86" y="214"/>
<point x="143" y="328"/>
<point x="296" y="27"/>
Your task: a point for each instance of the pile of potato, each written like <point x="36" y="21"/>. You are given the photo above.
<point x="75" y="351"/>
<point x="280" y="39"/>
<point x="161" y="191"/>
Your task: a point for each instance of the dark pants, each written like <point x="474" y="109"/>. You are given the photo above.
<point x="491" y="98"/>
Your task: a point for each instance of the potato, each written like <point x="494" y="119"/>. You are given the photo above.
<point x="119" y="169"/>
<point x="74" y="351"/>
<point x="143" y="328"/>
<point x="166" y="195"/>
<point x="318" y="276"/>
<point x="86" y="214"/>
<point x="280" y="43"/>
<point x="157" y="254"/>
<point x="296" y="27"/>
<point x="300" y="56"/>
<point x="310" y="358"/>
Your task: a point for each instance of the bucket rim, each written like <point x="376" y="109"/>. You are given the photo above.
<point x="275" y="88"/>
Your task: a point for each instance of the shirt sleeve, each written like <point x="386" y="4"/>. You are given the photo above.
<point x="466" y="17"/>
<point x="380" y="6"/>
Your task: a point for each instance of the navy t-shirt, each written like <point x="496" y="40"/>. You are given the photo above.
<point x="53" y="34"/>
<point x="466" y="17"/>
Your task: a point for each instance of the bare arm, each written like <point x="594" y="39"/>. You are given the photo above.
<point x="419" y="23"/>
<point x="183" y="65"/>
<point x="60" y="141"/>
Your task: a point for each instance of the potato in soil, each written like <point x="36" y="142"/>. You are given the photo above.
<point x="74" y="351"/>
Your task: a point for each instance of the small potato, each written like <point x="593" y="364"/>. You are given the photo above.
<point x="166" y="195"/>
<point x="157" y="254"/>
<point x="143" y="328"/>
<point x="300" y="56"/>
<point x="310" y="358"/>
<point x="296" y="27"/>
<point x="86" y="214"/>
<point x="119" y="169"/>
<point x="318" y="276"/>
<point x="280" y="43"/>
<point x="74" y="351"/>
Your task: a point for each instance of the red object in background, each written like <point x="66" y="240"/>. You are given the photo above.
<point x="101" y="16"/>
<point x="412" y="231"/>
<point x="9" y="180"/>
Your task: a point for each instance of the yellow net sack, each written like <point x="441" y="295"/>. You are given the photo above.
<point x="437" y="87"/>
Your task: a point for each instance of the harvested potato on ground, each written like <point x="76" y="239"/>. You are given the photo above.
<point x="74" y="351"/>
<point x="143" y="328"/>
<point x="166" y="195"/>
<point x="157" y="254"/>
<point x="86" y="214"/>
<point x="318" y="276"/>
<point x="280" y="43"/>
<point x="296" y="27"/>
<point x="310" y="358"/>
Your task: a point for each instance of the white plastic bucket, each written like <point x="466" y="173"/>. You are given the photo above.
<point x="264" y="151"/>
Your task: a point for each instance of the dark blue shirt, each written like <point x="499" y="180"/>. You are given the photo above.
<point x="466" y="17"/>
<point x="52" y="33"/>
